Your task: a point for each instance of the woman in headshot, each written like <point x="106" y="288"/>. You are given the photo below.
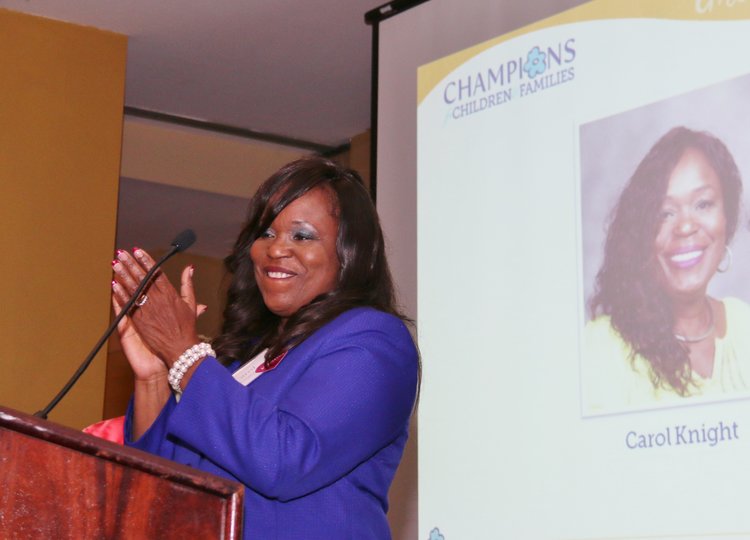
<point x="656" y="336"/>
<point x="306" y="395"/>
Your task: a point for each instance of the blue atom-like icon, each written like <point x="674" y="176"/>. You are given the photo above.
<point x="535" y="62"/>
<point x="435" y="534"/>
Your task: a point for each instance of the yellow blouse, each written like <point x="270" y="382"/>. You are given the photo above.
<point x="612" y="383"/>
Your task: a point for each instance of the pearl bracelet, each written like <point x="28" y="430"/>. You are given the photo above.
<point x="183" y="363"/>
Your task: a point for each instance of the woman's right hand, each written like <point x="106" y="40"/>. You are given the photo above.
<point x="146" y="365"/>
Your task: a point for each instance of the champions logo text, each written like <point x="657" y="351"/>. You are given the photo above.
<point x="540" y="69"/>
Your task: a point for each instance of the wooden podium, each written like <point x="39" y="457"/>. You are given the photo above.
<point x="61" y="483"/>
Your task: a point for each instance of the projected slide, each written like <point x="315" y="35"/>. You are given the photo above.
<point x="584" y="278"/>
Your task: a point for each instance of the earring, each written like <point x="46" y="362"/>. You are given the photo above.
<point x="727" y="258"/>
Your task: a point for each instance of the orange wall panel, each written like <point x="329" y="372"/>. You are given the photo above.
<point x="62" y="89"/>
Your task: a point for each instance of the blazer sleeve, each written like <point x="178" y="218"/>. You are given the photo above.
<point x="354" y="399"/>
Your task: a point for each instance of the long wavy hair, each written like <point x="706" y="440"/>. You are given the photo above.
<point x="627" y="287"/>
<point x="364" y="278"/>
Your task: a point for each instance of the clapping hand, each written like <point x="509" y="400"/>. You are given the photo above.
<point x="161" y="325"/>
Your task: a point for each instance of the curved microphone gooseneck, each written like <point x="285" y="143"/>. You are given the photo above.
<point x="181" y="242"/>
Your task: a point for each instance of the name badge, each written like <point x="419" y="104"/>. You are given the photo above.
<point x="255" y="367"/>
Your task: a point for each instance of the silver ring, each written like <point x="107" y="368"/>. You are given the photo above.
<point x="142" y="300"/>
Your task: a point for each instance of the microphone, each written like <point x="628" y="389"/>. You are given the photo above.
<point x="181" y="242"/>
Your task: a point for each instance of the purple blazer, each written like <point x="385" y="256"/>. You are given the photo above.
<point x="316" y="441"/>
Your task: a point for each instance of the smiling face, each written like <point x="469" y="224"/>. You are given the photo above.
<point x="295" y="259"/>
<point x="691" y="239"/>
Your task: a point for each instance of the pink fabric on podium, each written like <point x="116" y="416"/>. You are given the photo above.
<point x="111" y="429"/>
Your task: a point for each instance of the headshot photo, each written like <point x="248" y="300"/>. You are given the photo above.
<point x="664" y="243"/>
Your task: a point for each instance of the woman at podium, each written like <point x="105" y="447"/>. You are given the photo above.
<point x="306" y="395"/>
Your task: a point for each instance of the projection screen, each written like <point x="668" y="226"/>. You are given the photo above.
<point x="570" y="181"/>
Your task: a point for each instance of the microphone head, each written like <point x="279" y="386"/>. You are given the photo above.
<point x="183" y="240"/>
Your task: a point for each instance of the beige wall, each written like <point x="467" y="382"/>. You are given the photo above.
<point x="61" y="109"/>
<point x="197" y="159"/>
<point x="358" y="157"/>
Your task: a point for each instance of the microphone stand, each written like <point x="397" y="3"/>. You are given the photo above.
<point x="176" y="247"/>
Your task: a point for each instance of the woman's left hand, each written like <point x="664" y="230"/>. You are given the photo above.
<point x="166" y="320"/>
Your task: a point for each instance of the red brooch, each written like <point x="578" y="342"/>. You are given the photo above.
<point x="271" y="365"/>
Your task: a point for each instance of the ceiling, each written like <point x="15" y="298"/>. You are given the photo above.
<point x="298" y="69"/>
<point x="295" y="69"/>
